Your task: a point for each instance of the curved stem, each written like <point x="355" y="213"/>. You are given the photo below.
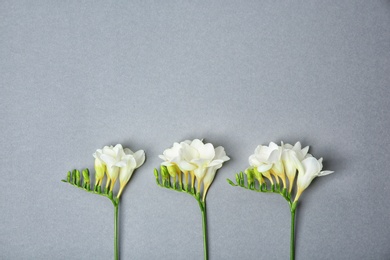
<point x="292" y="238"/>
<point x="202" y="206"/>
<point x="116" y="233"/>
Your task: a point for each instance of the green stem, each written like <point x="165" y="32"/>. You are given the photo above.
<point x="202" y="206"/>
<point x="292" y="238"/>
<point x="116" y="233"/>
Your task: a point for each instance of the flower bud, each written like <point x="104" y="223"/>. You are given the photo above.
<point x="85" y="173"/>
<point x="78" y="179"/>
<point x="74" y="177"/>
<point x="249" y="176"/>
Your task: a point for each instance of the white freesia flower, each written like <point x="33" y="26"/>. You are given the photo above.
<point x="111" y="156"/>
<point x="291" y="158"/>
<point x="267" y="160"/>
<point x="172" y="156"/>
<point x="129" y="162"/>
<point x="116" y="162"/>
<point x="202" y="157"/>
<point x="197" y="158"/>
<point x="220" y="155"/>
<point x="311" y="168"/>
<point x="286" y="160"/>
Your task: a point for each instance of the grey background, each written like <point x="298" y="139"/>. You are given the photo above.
<point x="78" y="75"/>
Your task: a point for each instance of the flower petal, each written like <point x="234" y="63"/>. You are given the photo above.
<point x="264" y="167"/>
<point x="139" y="157"/>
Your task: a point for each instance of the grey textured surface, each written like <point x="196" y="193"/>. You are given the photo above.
<point x="76" y="76"/>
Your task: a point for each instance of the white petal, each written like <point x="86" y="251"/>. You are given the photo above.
<point x="263" y="153"/>
<point x="139" y="157"/>
<point x="297" y="146"/>
<point x="312" y="166"/>
<point x="107" y="159"/>
<point x="323" y="173"/>
<point x="197" y="144"/>
<point x="127" y="151"/>
<point x="275" y="156"/>
<point x="167" y="164"/>
<point x="253" y="161"/>
<point x="305" y="150"/>
<point x="220" y="153"/>
<point x="264" y="167"/>
<point x="186" y="166"/>
<point x="215" y="162"/>
<point x="207" y="151"/>
<point x="273" y="146"/>
<point x="188" y="153"/>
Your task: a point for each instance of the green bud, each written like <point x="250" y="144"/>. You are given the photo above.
<point x="242" y="183"/>
<point x="173" y="170"/>
<point x="238" y="179"/>
<point x="231" y="183"/>
<point x="74" y="176"/>
<point x="249" y="175"/>
<point x="78" y="179"/>
<point x="85" y="173"/>
<point x="164" y="172"/>
<point x="156" y="175"/>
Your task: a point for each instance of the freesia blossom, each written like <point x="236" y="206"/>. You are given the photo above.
<point x="291" y="158"/>
<point x="199" y="159"/>
<point x="267" y="160"/>
<point x="116" y="162"/>
<point x="286" y="160"/>
<point x="111" y="156"/>
<point x="311" y="168"/>
<point x="129" y="162"/>
<point x="220" y="156"/>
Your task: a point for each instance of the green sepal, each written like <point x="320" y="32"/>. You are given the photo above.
<point x="111" y="195"/>
<point x="68" y="176"/>
<point x="294" y="206"/>
<point x="277" y="187"/>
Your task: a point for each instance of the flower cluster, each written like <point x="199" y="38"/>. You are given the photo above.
<point x="116" y="162"/>
<point x="191" y="161"/>
<point x="275" y="163"/>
